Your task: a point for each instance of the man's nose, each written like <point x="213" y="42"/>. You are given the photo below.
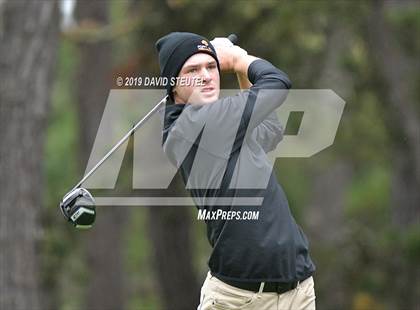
<point x="206" y="75"/>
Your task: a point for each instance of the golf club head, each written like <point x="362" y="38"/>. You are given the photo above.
<point x="78" y="207"/>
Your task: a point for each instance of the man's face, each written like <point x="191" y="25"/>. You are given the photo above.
<point x="202" y="80"/>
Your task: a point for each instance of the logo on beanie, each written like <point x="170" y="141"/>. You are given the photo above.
<point x="204" y="46"/>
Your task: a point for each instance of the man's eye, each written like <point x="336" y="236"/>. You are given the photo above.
<point x="212" y="66"/>
<point x="192" y="70"/>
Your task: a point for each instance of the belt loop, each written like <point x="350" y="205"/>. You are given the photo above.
<point x="261" y="287"/>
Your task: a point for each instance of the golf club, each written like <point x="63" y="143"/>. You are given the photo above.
<point x="78" y="205"/>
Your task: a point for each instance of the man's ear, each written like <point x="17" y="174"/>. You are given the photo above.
<point x="174" y="92"/>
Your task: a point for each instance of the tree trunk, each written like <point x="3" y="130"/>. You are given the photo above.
<point x="103" y="245"/>
<point x="29" y="35"/>
<point x="399" y="92"/>
<point x="325" y="216"/>
<point x="327" y="233"/>
<point x="170" y="229"/>
<point x="399" y="78"/>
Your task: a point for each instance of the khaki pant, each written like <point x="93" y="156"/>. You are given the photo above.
<point x="216" y="294"/>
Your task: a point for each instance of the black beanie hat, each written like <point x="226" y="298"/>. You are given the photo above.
<point x="175" y="48"/>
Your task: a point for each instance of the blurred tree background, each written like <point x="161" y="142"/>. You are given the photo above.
<point x="358" y="201"/>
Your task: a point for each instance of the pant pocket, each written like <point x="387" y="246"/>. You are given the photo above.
<point x="305" y="300"/>
<point x="223" y="299"/>
<point x="307" y="287"/>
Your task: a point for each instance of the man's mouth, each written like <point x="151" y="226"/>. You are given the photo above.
<point x="207" y="89"/>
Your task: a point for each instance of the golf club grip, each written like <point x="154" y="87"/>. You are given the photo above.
<point x="243" y="81"/>
<point x="233" y="38"/>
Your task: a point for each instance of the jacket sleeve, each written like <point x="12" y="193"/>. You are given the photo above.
<point x="269" y="133"/>
<point x="269" y="90"/>
<point x="263" y="75"/>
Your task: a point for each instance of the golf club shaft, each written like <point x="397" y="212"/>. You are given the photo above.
<point x="232" y="37"/>
<point x="125" y="138"/>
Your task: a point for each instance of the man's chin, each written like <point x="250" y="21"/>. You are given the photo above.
<point x="204" y="99"/>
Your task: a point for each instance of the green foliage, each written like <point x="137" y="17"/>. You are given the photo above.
<point x="140" y="282"/>
<point x="368" y="198"/>
<point x="406" y="21"/>
<point x="61" y="244"/>
<point x="292" y="175"/>
<point x="62" y="141"/>
<point x="411" y="243"/>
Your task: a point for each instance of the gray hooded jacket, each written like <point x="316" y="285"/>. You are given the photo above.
<point x="220" y="149"/>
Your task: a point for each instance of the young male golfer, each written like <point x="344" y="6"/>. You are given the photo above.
<point x="220" y="145"/>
